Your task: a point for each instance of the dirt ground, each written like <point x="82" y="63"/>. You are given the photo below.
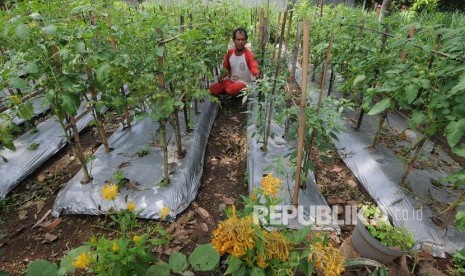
<point x="23" y="240"/>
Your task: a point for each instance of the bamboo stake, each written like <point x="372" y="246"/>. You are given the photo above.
<point x="78" y="150"/>
<point x="125" y="109"/>
<point x="276" y="35"/>
<point x="323" y="74"/>
<point x="97" y="115"/>
<point x="320" y="97"/>
<point x="384" y="36"/>
<point x="289" y="26"/>
<point x="262" y="37"/>
<point x="408" y="167"/>
<point x="292" y="73"/>
<point x="166" y="179"/>
<point x="378" y="131"/>
<point x="270" y="105"/>
<point x="72" y="121"/>
<point x="303" y="104"/>
<point x="410" y="33"/>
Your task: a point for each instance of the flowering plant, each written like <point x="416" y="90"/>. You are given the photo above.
<point x="252" y="250"/>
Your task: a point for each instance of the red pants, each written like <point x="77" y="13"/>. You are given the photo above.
<point x="228" y="87"/>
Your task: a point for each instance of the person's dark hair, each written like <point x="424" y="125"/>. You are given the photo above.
<point x="240" y="30"/>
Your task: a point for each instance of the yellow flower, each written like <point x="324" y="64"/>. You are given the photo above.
<point x="261" y="261"/>
<point x="136" y="238"/>
<point x="93" y="240"/>
<point x="276" y="246"/>
<point x="81" y="261"/>
<point x="131" y="206"/>
<point x="253" y="197"/>
<point x="115" y="247"/>
<point x="234" y="236"/>
<point x="110" y="191"/>
<point x="271" y="185"/>
<point x="327" y="259"/>
<point x="164" y="212"/>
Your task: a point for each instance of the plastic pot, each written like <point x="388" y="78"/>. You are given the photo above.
<point x="371" y="248"/>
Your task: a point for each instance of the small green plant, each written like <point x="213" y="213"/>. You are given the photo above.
<point x="34" y="146"/>
<point x="120" y="178"/>
<point x="143" y="152"/>
<point x="380" y="228"/>
<point x="459" y="262"/>
<point x="129" y="253"/>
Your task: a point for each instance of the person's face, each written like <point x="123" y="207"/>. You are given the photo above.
<point x="240" y="41"/>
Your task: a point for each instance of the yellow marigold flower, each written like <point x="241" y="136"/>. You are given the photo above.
<point x="276" y="246"/>
<point x="110" y="191"/>
<point x="271" y="185"/>
<point x="136" y="238"/>
<point x="164" y="212"/>
<point x="253" y="197"/>
<point x="115" y="247"/>
<point x="131" y="206"/>
<point x="261" y="261"/>
<point x="327" y="259"/>
<point x="81" y="261"/>
<point x="234" y="236"/>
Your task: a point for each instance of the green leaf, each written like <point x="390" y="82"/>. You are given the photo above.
<point x="50" y="29"/>
<point x="102" y="72"/>
<point x="416" y="119"/>
<point x="460" y="220"/>
<point x="455" y="131"/>
<point x="22" y="31"/>
<point x="300" y="235"/>
<point x="458" y="87"/>
<point x="256" y="271"/>
<point x="459" y="151"/>
<point x="358" y="79"/>
<point x="204" y="258"/>
<point x="234" y="265"/>
<point x="31" y="68"/>
<point x="81" y="47"/>
<point x="160" y="269"/>
<point x="17" y="83"/>
<point x="42" y="267"/>
<point x="66" y="265"/>
<point x="411" y="92"/>
<point x="70" y="103"/>
<point x="361" y="262"/>
<point x="178" y="262"/>
<point x="25" y="110"/>
<point x="160" y="51"/>
<point x="326" y="159"/>
<point x="380" y="106"/>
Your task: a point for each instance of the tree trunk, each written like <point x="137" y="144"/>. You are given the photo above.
<point x="384" y="9"/>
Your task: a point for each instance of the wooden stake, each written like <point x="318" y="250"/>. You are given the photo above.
<point x="323" y="74"/>
<point x="97" y="115"/>
<point x="78" y="150"/>
<point x="380" y="127"/>
<point x="289" y="26"/>
<point x="125" y="109"/>
<point x="408" y="167"/>
<point x="166" y="178"/>
<point x="410" y="33"/>
<point x="270" y="106"/>
<point x="276" y="35"/>
<point x="292" y="74"/>
<point x="303" y="104"/>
